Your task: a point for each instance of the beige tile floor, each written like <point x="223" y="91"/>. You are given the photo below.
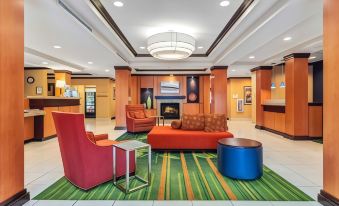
<point x="300" y="162"/>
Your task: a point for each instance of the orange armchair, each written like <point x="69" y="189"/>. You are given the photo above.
<point x="137" y="120"/>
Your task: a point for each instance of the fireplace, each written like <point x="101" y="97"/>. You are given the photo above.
<point x="170" y="110"/>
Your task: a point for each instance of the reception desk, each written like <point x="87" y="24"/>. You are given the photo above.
<point x="29" y="119"/>
<point x="44" y="125"/>
<point x="275" y="120"/>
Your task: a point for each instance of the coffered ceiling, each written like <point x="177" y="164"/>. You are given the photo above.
<point x="95" y="35"/>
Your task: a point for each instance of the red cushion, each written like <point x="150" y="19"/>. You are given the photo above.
<point x="169" y="138"/>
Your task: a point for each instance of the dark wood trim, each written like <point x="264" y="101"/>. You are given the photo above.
<point x="169" y="97"/>
<point x="262" y="68"/>
<point x="62" y="71"/>
<point x="36" y="68"/>
<point x="219" y="67"/>
<point x="296" y="56"/>
<point x="50" y="77"/>
<point x="76" y="74"/>
<point x="122" y="68"/>
<point x="41" y="103"/>
<point x="93" y="78"/>
<point x="236" y="16"/>
<point x="171" y="70"/>
<point x="104" y="13"/>
<point x="119" y="128"/>
<point x="315" y="104"/>
<point x="108" y="18"/>
<point x="18" y="199"/>
<point x="291" y="137"/>
<point x="239" y="77"/>
<point x="44" y="138"/>
<point x="327" y="199"/>
<point x="274" y="108"/>
<point x="169" y="75"/>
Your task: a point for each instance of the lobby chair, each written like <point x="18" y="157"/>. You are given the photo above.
<point x="86" y="164"/>
<point x="137" y="120"/>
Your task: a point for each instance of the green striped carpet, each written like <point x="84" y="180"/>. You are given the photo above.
<point x="183" y="176"/>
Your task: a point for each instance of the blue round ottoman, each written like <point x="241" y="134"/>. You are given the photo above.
<point x="240" y="158"/>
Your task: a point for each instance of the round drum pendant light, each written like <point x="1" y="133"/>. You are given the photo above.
<point x="171" y="45"/>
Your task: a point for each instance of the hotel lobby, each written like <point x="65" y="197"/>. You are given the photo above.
<point x="159" y="103"/>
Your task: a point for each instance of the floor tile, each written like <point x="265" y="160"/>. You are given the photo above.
<point x="132" y="203"/>
<point x="211" y="203"/>
<point x="172" y="203"/>
<point x="94" y="203"/>
<point x="55" y="203"/>
<point x="292" y="203"/>
<point x="251" y="203"/>
<point x="30" y="203"/>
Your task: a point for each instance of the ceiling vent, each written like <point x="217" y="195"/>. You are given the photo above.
<point x="70" y="11"/>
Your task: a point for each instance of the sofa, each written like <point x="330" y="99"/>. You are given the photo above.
<point x="137" y="120"/>
<point x="177" y="138"/>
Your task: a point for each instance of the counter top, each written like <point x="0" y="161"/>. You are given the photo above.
<point x="50" y="97"/>
<point x="33" y="112"/>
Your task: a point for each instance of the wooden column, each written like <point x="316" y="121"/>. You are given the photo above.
<point x="296" y="109"/>
<point x="62" y="75"/>
<point x="263" y="92"/>
<point x="219" y="89"/>
<point x="12" y="103"/>
<point x="122" y="91"/>
<point x="206" y="94"/>
<point x="330" y="194"/>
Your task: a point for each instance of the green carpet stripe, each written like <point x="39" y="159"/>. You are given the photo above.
<point x="204" y="183"/>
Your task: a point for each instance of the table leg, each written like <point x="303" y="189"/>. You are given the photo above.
<point x="114" y="166"/>
<point x="127" y="172"/>
<point x="149" y="164"/>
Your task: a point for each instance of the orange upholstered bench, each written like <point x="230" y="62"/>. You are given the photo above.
<point x="168" y="138"/>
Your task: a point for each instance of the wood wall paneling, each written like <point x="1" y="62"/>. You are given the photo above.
<point x="263" y="92"/>
<point x="191" y="108"/>
<point x="331" y="100"/>
<point x="135" y="90"/>
<point x="146" y="81"/>
<point x="207" y="94"/>
<point x="29" y="128"/>
<point x="40" y="80"/>
<point x="12" y="99"/>
<point x="219" y="91"/>
<point x="122" y="89"/>
<point x="279" y="122"/>
<point x="315" y="121"/>
<point x="48" y="124"/>
<point x="269" y="120"/>
<point x="236" y="87"/>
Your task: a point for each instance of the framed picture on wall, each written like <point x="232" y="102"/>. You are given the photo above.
<point x="240" y="105"/>
<point x="39" y="90"/>
<point x="247" y="95"/>
<point x="192" y="89"/>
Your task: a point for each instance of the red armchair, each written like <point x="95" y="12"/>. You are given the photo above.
<point x="137" y="120"/>
<point x="86" y="164"/>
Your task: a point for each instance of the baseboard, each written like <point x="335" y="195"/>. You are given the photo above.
<point x="18" y="199"/>
<point x="119" y="128"/>
<point x="327" y="199"/>
<point x="287" y="136"/>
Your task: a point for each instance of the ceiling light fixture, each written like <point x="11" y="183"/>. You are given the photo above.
<point x="57" y="47"/>
<point x="252" y="57"/>
<point x="312" y="57"/>
<point x="44" y="63"/>
<point x="171" y="45"/>
<point x="90" y="62"/>
<point x="233" y="70"/>
<point x="200" y="47"/>
<point x="118" y="4"/>
<point x="288" y="38"/>
<point x="224" y="3"/>
<point x="142" y="47"/>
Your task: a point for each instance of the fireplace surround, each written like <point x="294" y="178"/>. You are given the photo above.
<point x="170" y="110"/>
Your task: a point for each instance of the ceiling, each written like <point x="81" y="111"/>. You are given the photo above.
<point x="90" y="45"/>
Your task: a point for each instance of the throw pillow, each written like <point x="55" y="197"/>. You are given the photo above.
<point x="131" y="114"/>
<point x="215" y="123"/>
<point x="193" y="122"/>
<point x="139" y="115"/>
<point x="176" y="124"/>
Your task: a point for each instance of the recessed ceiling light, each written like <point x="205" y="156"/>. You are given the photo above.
<point x="288" y="38"/>
<point x="45" y="63"/>
<point x="251" y="57"/>
<point x="312" y="57"/>
<point x="142" y="47"/>
<point x="224" y="3"/>
<point x="57" y="47"/>
<point x="90" y="62"/>
<point x="107" y="70"/>
<point x="118" y="4"/>
<point x="233" y="70"/>
<point x="200" y="47"/>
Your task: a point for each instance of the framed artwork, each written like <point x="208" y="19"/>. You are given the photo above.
<point x="240" y="105"/>
<point x="247" y="95"/>
<point x="169" y="87"/>
<point x="39" y="90"/>
<point x="192" y="89"/>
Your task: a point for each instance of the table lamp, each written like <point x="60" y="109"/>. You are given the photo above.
<point x="60" y="84"/>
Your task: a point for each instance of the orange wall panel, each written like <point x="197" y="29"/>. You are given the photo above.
<point x="279" y="122"/>
<point x="219" y="91"/>
<point x="269" y="120"/>
<point x="263" y="92"/>
<point x="29" y="128"/>
<point x="191" y="108"/>
<point x="315" y="121"/>
<point x="49" y="128"/>
<point x="146" y="81"/>
<point x="122" y="90"/>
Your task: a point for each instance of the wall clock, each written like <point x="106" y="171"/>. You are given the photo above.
<point x="30" y="80"/>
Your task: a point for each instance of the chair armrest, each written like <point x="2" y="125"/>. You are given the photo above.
<point x="101" y="137"/>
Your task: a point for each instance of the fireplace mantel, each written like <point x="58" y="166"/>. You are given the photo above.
<point x="170" y="97"/>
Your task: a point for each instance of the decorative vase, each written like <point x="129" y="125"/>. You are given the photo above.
<point x="149" y="102"/>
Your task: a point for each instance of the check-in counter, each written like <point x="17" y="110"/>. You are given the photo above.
<point x="29" y="119"/>
<point x="44" y="125"/>
<point x="274" y="116"/>
<point x="315" y="120"/>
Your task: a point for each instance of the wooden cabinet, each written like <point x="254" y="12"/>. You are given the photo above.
<point x="315" y="121"/>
